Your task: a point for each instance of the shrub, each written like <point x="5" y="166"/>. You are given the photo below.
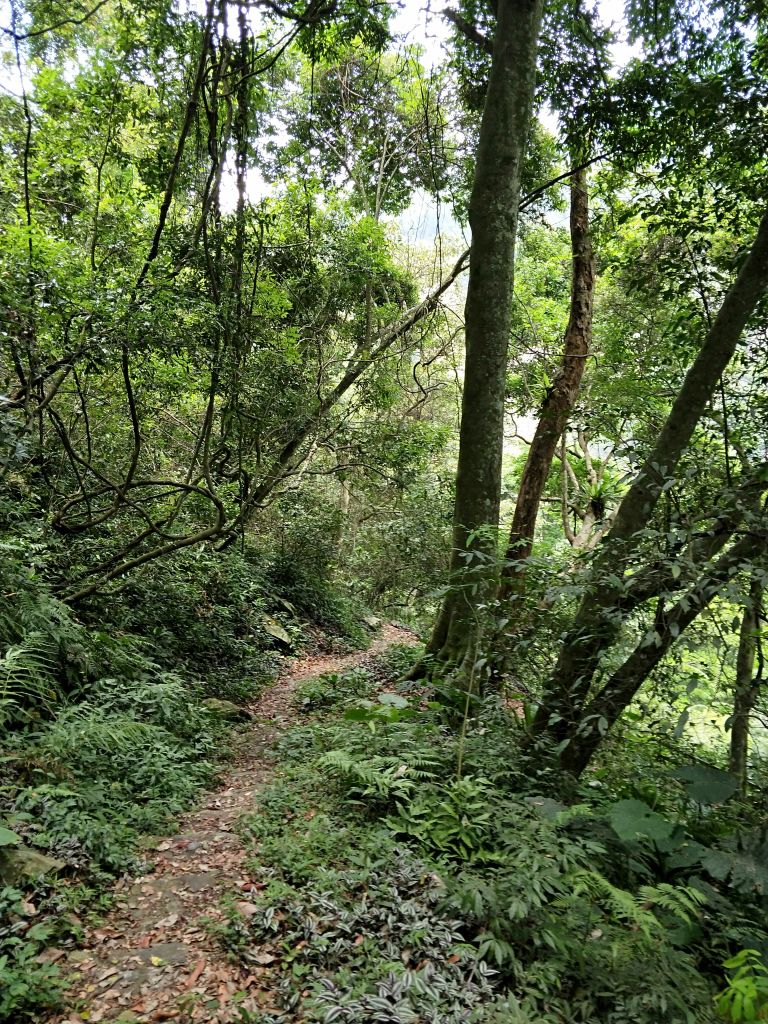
<point x="331" y="689"/>
<point x="27" y="984"/>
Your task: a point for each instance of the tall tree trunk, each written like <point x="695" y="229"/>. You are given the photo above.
<point x="600" y="614"/>
<point x="747" y="686"/>
<point x="561" y="397"/>
<point x="493" y="213"/>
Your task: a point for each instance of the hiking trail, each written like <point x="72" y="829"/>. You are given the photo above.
<point x="153" y="957"/>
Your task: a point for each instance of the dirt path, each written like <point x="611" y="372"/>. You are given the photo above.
<point x="152" y="958"/>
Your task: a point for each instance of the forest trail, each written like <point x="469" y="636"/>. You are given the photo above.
<point x="153" y="958"/>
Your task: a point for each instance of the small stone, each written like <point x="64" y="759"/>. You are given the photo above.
<point x="164" y="952"/>
<point x="225" y="710"/>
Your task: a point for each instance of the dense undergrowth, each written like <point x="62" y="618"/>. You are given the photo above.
<point x="113" y="716"/>
<point x="399" y="889"/>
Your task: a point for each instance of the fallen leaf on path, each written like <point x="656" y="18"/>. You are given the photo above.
<point x="51" y="955"/>
<point x="194" y="976"/>
<point x="109" y="973"/>
<point x="247" y="909"/>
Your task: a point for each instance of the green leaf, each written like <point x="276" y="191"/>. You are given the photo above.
<point x="632" y="818"/>
<point x="705" y="784"/>
<point x="8" y="838"/>
<point x="357" y="714"/>
<point x="393" y="699"/>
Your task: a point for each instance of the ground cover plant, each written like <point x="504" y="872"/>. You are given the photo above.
<point x="391" y="888"/>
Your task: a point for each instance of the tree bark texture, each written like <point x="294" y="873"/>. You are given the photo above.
<point x="747" y="686"/>
<point x="493" y="214"/>
<point x="600" y="615"/>
<point x="561" y="397"/>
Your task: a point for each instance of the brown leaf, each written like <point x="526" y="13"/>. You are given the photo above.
<point x="246" y="909"/>
<point x="51" y="955"/>
<point x="195" y="975"/>
<point x="109" y="973"/>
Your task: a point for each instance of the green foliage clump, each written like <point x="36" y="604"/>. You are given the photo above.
<point x="453" y="820"/>
<point x="203" y="614"/>
<point x="300" y="566"/>
<point x="98" y="774"/>
<point x="99" y="745"/>
<point x="569" y="914"/>
<point x="27" y="983"/>
<point x="745" y="997"/>
<point x="331" y="689"/>
<point x="381" y="950"/>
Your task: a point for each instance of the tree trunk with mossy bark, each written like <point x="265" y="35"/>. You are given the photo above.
<point x="493" y="213"/>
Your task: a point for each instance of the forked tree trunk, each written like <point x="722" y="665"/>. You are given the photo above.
<point x="747" y="685"/>
<point x="561" y="397"/>
<point x="493" y="214"/>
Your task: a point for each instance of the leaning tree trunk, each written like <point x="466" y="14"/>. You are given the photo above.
<point x="600" y="615"/>
<point x="561" y="397"/>
<point x="603" y="712"/>
<point x="493" y="213"/>
<point x="747" y="686"/>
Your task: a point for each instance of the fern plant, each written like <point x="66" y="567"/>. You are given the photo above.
<point x="635" y="911"/>
<point x="28" y="684"/>
<point x="381" y="777"/>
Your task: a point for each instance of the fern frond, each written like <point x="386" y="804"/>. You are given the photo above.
<point x="28" y="676"/>
<point x="683" y="902"/>
<point x="619" y="904"/>
<point x="381" y="776"/>
<point x="86" y="728"/>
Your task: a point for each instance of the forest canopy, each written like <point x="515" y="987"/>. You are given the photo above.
<point x="321" y="314"/>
